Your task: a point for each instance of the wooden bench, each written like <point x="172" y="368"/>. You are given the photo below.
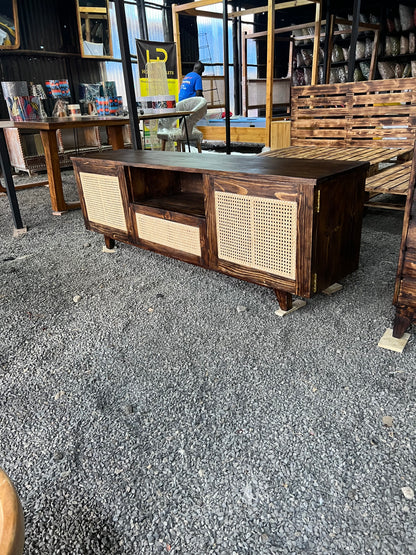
<point x="367" y="114"/>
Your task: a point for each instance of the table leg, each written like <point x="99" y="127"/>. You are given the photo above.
<point x="285" y="299"/>
<point x="50" y="146"/>
<point x="115" y="136"/>
<point x="187" y="134"/>
<point x="10" y="190"/>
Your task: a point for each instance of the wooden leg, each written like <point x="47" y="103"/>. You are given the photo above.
<point x="26" y="186"/>
<point x="198" y="145"/>
<point x="12" y="525"/>
<point x="163" y="144"/>
<point x="53" y="168"/>
<point x="115" y="136"/>
<point x="109" y="242"/>
<point x="402" y="321"/>
<point x="284" y="299"/>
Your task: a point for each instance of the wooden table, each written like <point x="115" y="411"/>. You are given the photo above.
<point x="291" y="226"/>
<point x="47" y="129"/>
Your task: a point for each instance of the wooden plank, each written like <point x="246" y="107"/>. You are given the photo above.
<point x="237" y="134"/>
<point x="280" y="134"/>
<point x="315" y="51"/>
<point x="281" y="6"/>
<point x="177" y="40"/>
<point x="193" y="5"/>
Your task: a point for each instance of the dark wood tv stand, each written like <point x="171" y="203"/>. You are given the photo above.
<point x="291" y="225"/>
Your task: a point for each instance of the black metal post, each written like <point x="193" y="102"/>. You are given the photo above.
<point x="354" y="37"/>
<point x="128" y="74"/>
<point x="226" y="77"/>
<point x="236" y="64"/>
<point x="327" y="39"/>
<point x="141" y="10"/>
<point x="8" y="178"/>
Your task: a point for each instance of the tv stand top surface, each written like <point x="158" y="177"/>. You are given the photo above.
<point x="306" y="170"/>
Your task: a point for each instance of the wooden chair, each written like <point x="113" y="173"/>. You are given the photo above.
<point x="167" y="130"/>
<point x="12" y="527"/>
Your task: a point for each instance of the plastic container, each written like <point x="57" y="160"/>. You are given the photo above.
<point x="74" y="109"/>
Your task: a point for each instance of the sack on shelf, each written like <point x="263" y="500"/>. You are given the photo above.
<point x="404" y="45"/>
<point x="386" y="70"/>
<point x="406" y="17"/>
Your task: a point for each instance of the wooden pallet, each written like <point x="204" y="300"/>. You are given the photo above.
<point x="391" y="181"/>
<point x="355" y="114"/>
<point x="394" y="180"/>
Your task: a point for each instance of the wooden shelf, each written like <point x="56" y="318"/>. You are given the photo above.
<point x="191" y="204"/>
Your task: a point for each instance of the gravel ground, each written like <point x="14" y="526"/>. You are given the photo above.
<point x="153" y="416"/>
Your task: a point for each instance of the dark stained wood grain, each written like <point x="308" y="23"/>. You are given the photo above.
<point x="354" y="114"/>
<point x="284" y="299"/>
<point x="290" y="171"/>
<point x="184" y="203"/>
<point x="405" y="288"/>
<point x="328" y="196"/>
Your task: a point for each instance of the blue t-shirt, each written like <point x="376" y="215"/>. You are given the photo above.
<point x="190" y="84"/>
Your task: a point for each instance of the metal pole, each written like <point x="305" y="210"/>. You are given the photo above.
<point x="236" y="64"/>
<point x="128" y="74"/>
<point x="354" y="37"/>
<point x="141" y="9"/>
<point x="8" y="178"/>
<point x="226" y="77"/>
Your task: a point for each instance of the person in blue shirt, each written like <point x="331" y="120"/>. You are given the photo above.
<point x="192" y="83"/>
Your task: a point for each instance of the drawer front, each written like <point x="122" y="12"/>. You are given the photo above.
<point x="170" y="234"/>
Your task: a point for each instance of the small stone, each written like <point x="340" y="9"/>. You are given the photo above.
<point x="408" y="493"/>
<point x="241" y="308"/>
<point x="86" y="245"/>
<point x="387" y="421"/>
<point x="128" y="409"/>
<point x="160" y="296"/>
<point x="58" y="456"/>
<point x="77" y="298"/>
<point x="150" y="310"/>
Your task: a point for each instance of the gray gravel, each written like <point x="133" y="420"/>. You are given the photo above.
<point x="143" y="411"/>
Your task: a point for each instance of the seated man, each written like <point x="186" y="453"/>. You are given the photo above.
<point x="192" y="83"/>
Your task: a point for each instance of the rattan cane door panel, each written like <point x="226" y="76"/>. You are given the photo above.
<point x="257" y="232"/>
<point x="103" y="200"/>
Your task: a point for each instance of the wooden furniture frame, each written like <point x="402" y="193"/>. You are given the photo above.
<point x="9" y="187"/>
<point x="47" y="129"/>
<point x="88" y="13"/>
<point x="195" y="9"/>
<point x="405" y="288"/>
<point x="16" y="45"/>
<point x="12" y="526"/>
<point x="377" y="116"/>
<point x="293" y="227"/>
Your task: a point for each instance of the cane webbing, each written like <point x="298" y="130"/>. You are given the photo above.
<point x="257" y="232"/>
<point x="103" y="200"/>
<point x="185" y="238"/>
